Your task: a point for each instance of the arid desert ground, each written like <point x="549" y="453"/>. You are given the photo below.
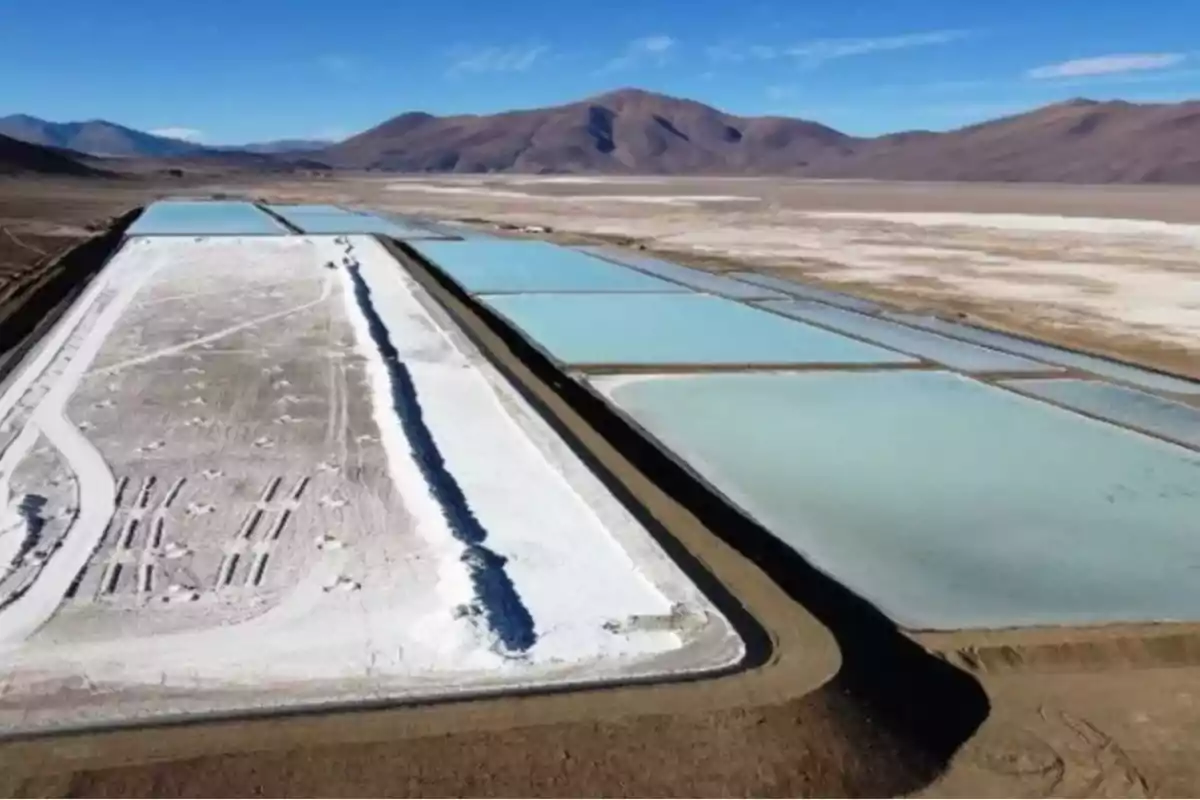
<point x="833" y="699"/>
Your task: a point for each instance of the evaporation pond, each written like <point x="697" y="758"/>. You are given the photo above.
<point x="694" y="278"/>
<point x="203" y="218"/>
<point x="944" y="350"/>
<point x="420" y="228"/>
<point x="946" y="502"/>
<point x="640" y="329"/>
<point x="505" y="265"/>
<point x="1054" y="355"/>
<point x="1121" y="404"/>
<point x="806" y="292"/>
<point x="326" y="219"/>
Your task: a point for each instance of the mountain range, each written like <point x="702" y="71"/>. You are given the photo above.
<point x="95" y="137"/>
<point x="108" y="139"/>
<point x="21" y="158"/>
<point x="631" y="131"/>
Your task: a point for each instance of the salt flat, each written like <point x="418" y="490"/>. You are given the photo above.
<point x="257" y="473"/>
<point x="1110" y="269"/>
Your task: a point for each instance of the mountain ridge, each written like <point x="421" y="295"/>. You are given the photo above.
<point x="624" y="131"/>
<point x="22" y="158"/>
<point x="98" y="137"/>
<point x="634" y="131"/>
<point x="94" y="137"/>
<point x="629" y="131"/>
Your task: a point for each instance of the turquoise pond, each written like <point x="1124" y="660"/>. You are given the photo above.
<point x="695" y="329"/>
<point x="805" y="292"/>
<point x="1050" y="354"/>
<point x="1121" y="404"/>
<point x="508" y="265"/>
<point x="326" y="219"/>
<point x="203" y="218"/>
<point x="694" y="278"/>
<point x="953" y="353"/>
<point x="947" y="503"/>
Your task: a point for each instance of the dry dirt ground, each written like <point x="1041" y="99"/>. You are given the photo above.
<point x="835" y="700"/>
<point x="1107" y="269"/>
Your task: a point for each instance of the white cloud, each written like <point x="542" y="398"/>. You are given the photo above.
<point x="1107" y="65"/>
<point x="821" y="50"/>
<point x="186" y="134"/>
<point x="330" y="135"/>
<point x="340" y="66"/>
<point x="646" y="50"/>
<point x="818" y="51"/>
<point x="727" y="53"/>
<point x="477" y="60"/>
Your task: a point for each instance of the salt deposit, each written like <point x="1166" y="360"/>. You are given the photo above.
<point x="255" y="520"/>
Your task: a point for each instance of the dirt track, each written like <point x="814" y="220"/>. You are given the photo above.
<point x="1113" y="714"/>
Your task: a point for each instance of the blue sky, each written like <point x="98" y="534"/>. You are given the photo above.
<point x="231" y="72"/>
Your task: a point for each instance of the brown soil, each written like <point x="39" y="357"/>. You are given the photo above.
<point x="834" y="700"/>
<point x="54" y="236"/>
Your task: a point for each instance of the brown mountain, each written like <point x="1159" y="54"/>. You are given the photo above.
<point x="96" y="137"/>
<point x="1080" y="141"/>
<point x="633" y="131"/>
<point x="20" y="158"/>
<point x="628" y="131"/>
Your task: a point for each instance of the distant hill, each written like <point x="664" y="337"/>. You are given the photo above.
<point x="23" y="158"/>
<point x="631" y="131"/>
<point x="95" y="137"/>
<point x="627" y="131"/>
<point x="1080" y="141"/>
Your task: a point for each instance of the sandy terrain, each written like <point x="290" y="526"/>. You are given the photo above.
<point x="210" y="459"/>
<point x="1109" y="269"/>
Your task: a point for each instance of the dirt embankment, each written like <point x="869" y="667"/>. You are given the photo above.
<point x="32" y="302"/>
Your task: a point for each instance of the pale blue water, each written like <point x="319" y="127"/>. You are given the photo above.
<point x="696" y="279"/>
<point x="947" y="503"/>
<point x="1121" y="404"/>
<point x="1053" y="355"/>
<point x="675" y="329"/>
<point x="325" y="219"/>
<point x="203" y="218"/>
<point x="805" y="292"/>
<point x="505" y="265"/>
<point x="941" y="349"/>
<point x="430" y="229"/>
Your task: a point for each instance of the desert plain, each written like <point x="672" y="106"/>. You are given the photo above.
<point x="831" y="698"/>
